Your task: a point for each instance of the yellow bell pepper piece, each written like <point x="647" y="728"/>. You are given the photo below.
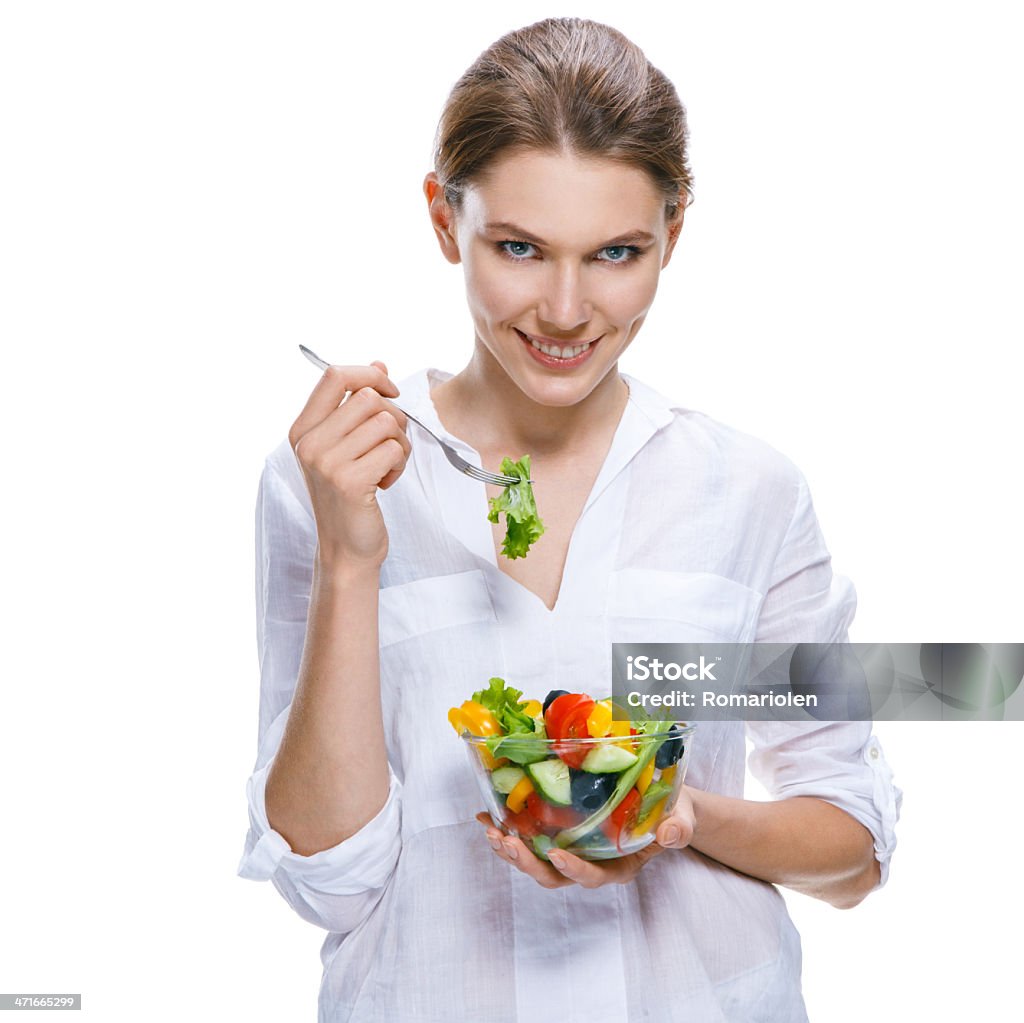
<point x="477" y="720"/>
<point x="600" y="720"/>
<point x="458" y="720"/>
<point x="532" y="708"/>
<point x="480" y="720"/>
<point x="668" y="774"/>
<point x="654" y="815"/>
<point x="517" y="797"/>
<point x="645" y="777"/>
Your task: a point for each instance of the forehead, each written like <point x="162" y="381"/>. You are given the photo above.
<point x="565" y="198"/>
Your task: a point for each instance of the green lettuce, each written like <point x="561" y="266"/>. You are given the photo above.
<point x="523" y="524"/>
<point x="503" y="702"/>
<point x="524" y="741"/>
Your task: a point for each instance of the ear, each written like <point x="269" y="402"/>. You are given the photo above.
<point x="442" y="217"/>
<point x="675" y="228"/>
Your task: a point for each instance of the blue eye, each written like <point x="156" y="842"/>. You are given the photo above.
<point x="513" y="249"/>
<point x="620" y="253"/>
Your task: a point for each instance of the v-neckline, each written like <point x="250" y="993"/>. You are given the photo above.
<point x="459" y="507"/>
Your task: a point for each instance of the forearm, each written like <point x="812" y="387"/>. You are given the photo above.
<point x="330" y="774"/>
<point x="802" y="843"/>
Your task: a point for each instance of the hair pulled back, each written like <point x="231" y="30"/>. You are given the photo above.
<point x="564" y="85"/>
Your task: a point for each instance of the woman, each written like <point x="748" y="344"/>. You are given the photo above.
<point x="560" y="185"/>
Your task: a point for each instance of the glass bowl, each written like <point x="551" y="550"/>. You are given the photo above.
<point x="596" y="798"/>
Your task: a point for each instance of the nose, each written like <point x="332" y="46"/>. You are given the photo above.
<point x="565" y="304"/>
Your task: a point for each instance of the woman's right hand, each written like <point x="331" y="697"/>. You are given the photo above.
<point x="346" y="450"/>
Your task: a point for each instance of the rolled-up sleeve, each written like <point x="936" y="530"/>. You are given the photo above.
<point x="335" y="888"/>
<point x="840" y="762"/>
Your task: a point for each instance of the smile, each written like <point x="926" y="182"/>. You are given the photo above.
<point x="555" y="349"/>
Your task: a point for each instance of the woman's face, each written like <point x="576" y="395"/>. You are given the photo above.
<point x="562" y="257"/>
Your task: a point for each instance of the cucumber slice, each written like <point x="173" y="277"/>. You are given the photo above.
<point x="541" y="846"/>
<point x="552" y="781"/>
<point x="607" y="759"/>
<point x="505" y="779"/>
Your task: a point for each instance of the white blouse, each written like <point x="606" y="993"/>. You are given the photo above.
<point x="693" y="532"/>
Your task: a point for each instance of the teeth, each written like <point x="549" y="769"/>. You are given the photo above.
<point x="560" y="353"/>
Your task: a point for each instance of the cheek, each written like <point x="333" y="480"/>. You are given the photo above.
<point x="493" y="295"/>
<point x="632" y="297"/>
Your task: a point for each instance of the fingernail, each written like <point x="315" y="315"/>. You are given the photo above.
<point x="558" y="860"/>
<point x="495" y="844"/>
<point x="672" y="835"/>
<point x="511" y="850"/>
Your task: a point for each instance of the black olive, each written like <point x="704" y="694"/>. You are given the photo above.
<point x="590" y="791"/>
<point x="552" y="696"/>
<point x="671" y="749"/>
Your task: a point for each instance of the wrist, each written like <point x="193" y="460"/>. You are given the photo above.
<point x="708" y="812"/>
<point x="342" y="572"/>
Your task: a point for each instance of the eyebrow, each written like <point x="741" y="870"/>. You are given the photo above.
<point x="520" y="233"/>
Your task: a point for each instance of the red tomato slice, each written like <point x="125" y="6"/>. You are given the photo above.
<point x="558" y="708"/>
<point x="623" y="818"/>
<point x="574" y="726"/>
<point x="548" y="816"/>
<point x="524" y="823"/>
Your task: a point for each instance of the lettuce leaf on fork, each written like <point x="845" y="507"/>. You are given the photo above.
<point x="523" y="524"/>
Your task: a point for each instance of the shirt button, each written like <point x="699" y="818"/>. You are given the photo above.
<point x="874" y="752"/>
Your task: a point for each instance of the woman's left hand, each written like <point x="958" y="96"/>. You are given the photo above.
<point x="674" y="832"/>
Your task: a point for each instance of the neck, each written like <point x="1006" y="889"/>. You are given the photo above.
<point x="484" y="407"/>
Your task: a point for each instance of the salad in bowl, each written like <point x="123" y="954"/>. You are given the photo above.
<point x="568" y="772"/>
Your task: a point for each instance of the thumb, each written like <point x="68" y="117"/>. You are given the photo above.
<point x="674" y="832"/>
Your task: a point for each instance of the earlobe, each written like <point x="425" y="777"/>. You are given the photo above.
<point x="442" y="218"/>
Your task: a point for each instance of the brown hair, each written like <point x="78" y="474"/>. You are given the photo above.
<point x="564" y="84"/>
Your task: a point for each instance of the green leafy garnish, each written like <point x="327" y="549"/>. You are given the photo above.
<point x="503" y="702"/>
<point x="523" y="524"/>
<point x="523" y="742"/>
<point x="520" y="749"/>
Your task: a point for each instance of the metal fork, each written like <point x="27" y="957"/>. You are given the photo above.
<point x="449" y="452"/>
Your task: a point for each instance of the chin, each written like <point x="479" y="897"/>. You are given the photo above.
<point x="555" y="393"/>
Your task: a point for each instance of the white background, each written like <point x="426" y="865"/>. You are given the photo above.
<point x="188" y="190"/>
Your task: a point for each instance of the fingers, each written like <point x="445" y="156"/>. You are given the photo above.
<point x="330" y="391"/>
<point x="594" y="875"/>
<point x="363" y="422"/>
<point x="361" y="426"/>
<point x="565" y="868"/>
<point x="514" y="852"/>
